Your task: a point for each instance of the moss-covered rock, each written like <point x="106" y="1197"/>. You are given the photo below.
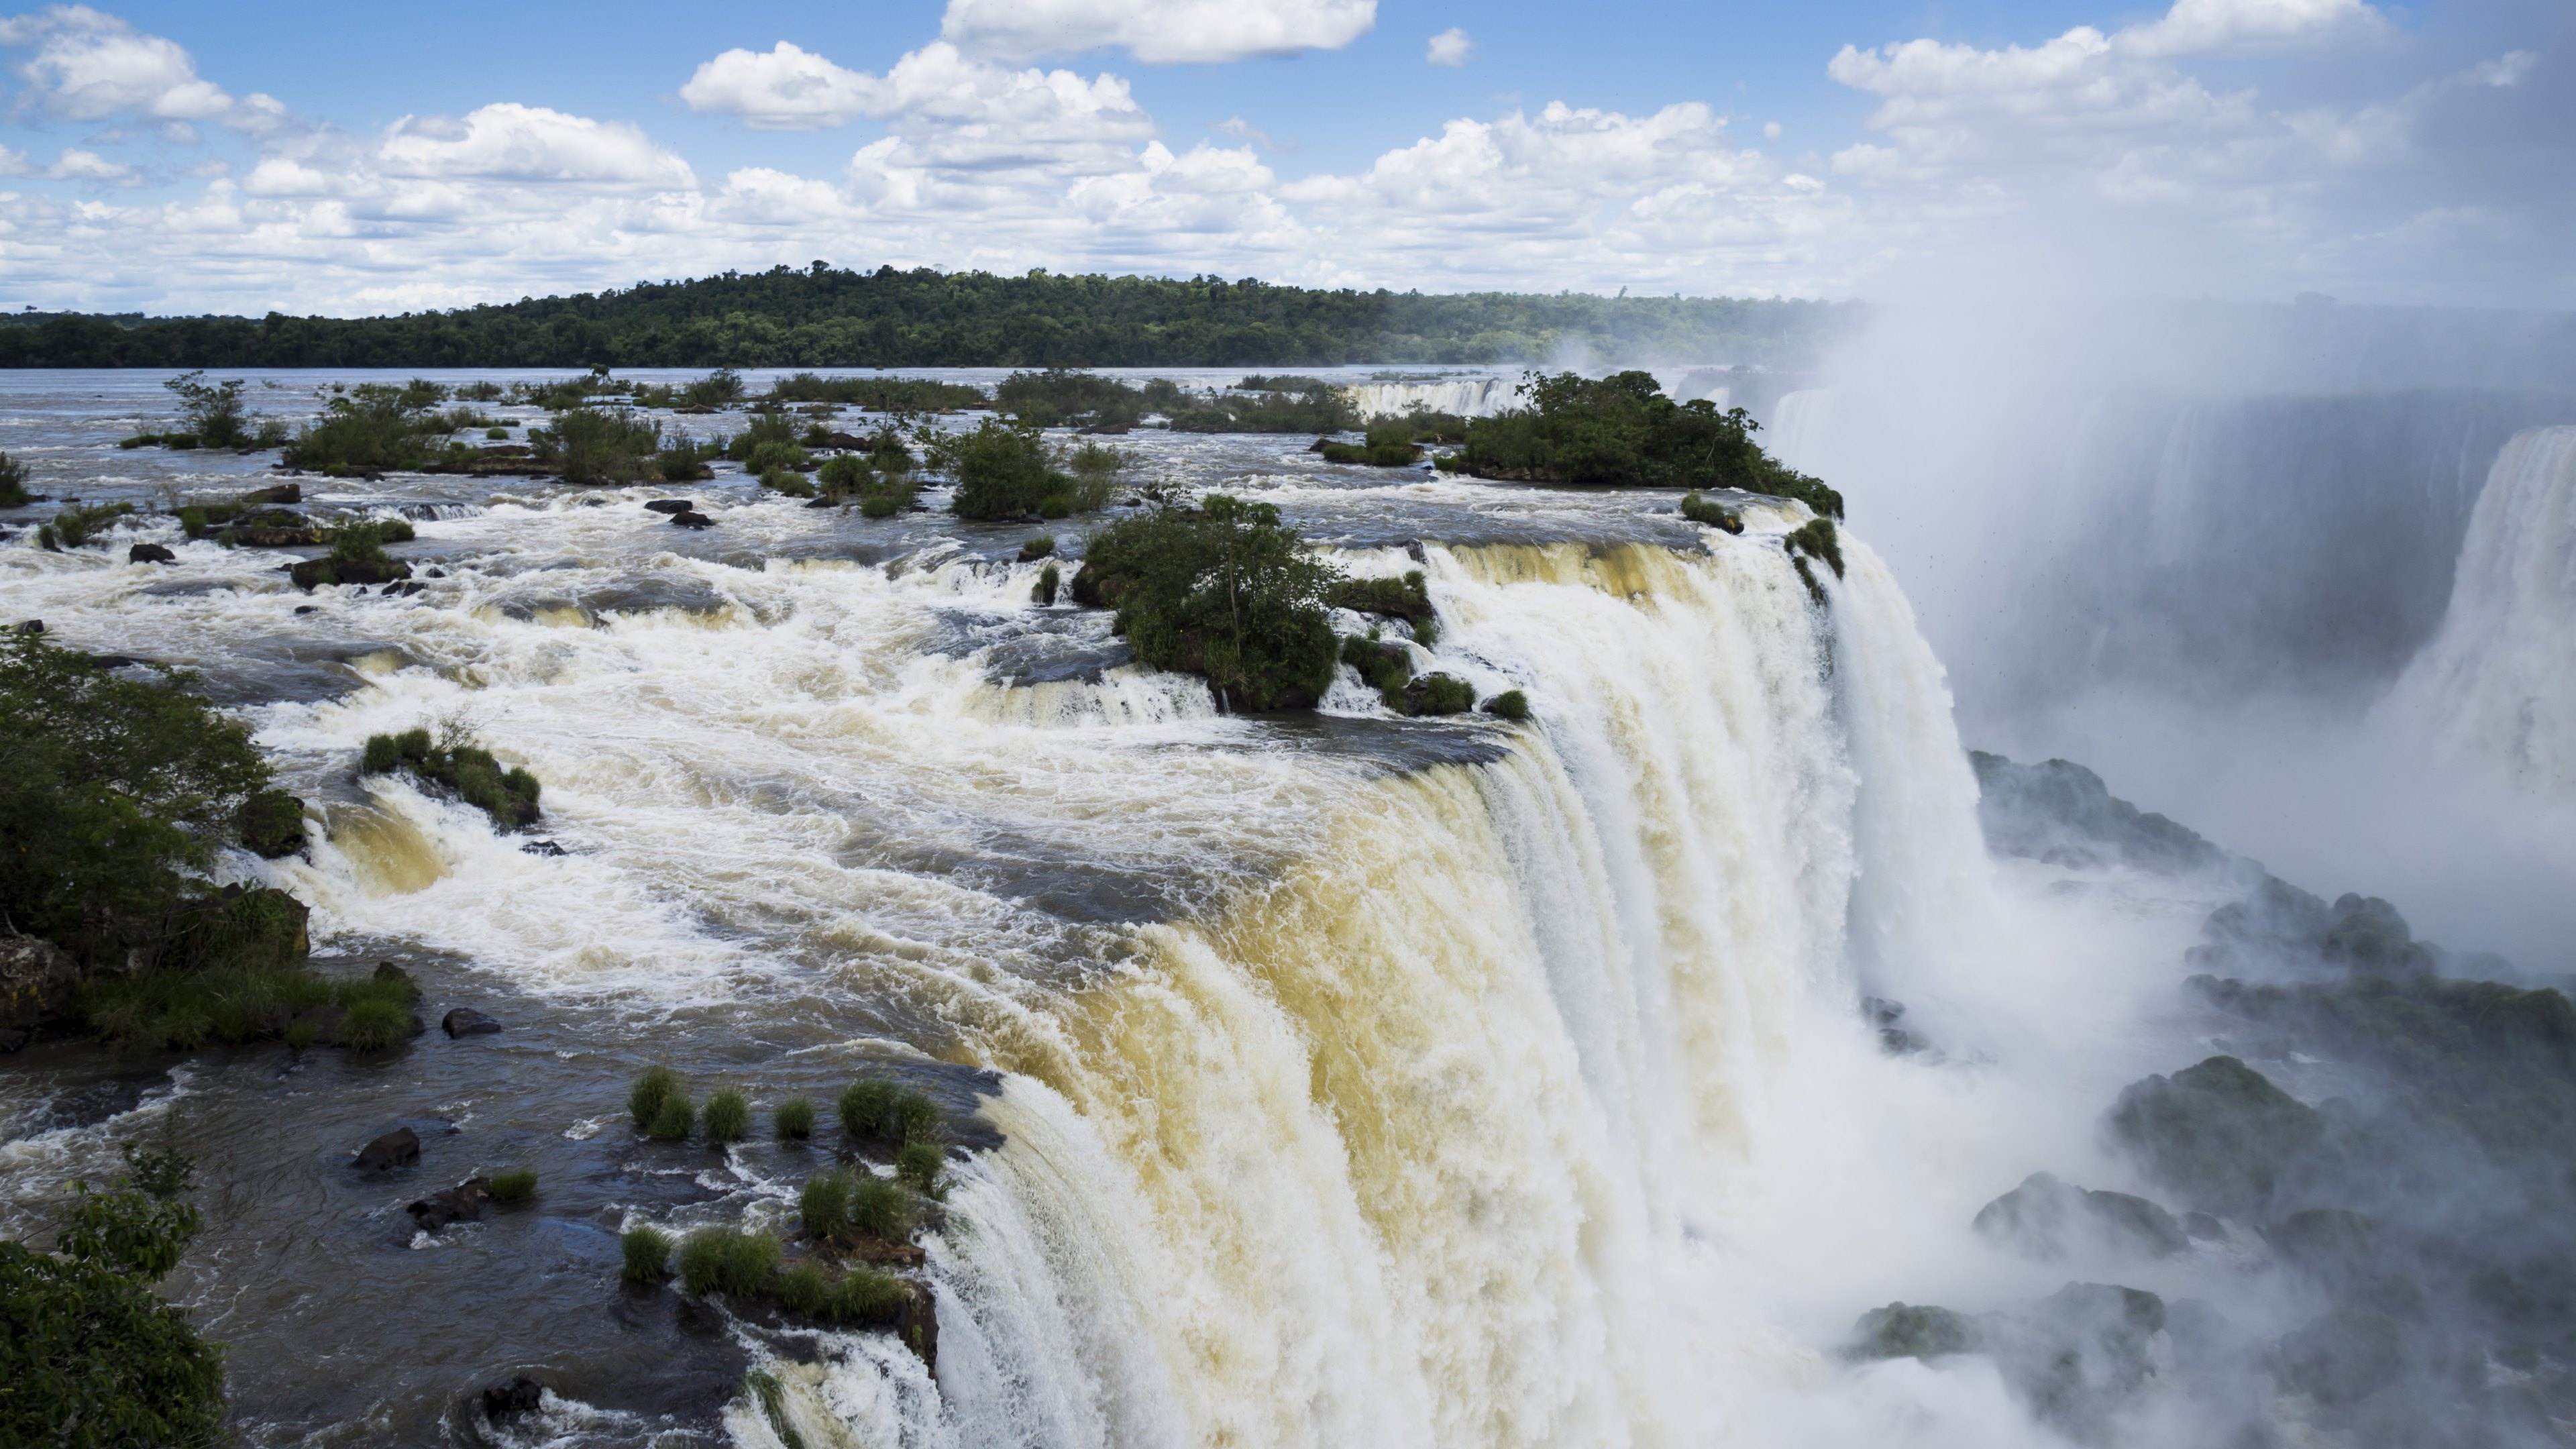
<point x="271" y="824"/>
<point x="2220" y="1134"/>
<point x="2048" y="1218"/>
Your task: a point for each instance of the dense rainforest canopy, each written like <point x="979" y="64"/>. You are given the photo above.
<point x="824" y="317"/>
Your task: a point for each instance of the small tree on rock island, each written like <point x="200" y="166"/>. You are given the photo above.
<point x="1223" y="590"/>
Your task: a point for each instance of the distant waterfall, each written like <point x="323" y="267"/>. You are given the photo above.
<point x="1466" y="397"/>
<point x="1424" y="1143"/>
<point x="2497" y="684"/>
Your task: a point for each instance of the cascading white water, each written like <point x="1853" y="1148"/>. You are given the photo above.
<point x="2497" y="684"/>
<point x="1441" y="1137"/>
<point x="1465" y="397"/>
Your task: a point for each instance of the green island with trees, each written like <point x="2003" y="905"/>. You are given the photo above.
<point x="823" y="316"/>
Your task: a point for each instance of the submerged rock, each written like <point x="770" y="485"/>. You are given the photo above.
<point x="398" y="1148"/>
<point x="692" y="520"/>
<point x="521" y="1395"/>
<point x="2049" y="1218"/>
<point x="2220" y="1134"/>
<point x="2073" y="1357"/>
<point x="1911" y="1330"/>
<point x="670" y="505"/>
<point x="916" y="1322"/>
<point x="462" y="1203"/>
<point x="466" y="1021"/>
<point x="149" y="553"/>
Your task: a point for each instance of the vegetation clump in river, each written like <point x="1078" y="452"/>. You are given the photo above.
<point x="454" y="762"/>
<point x="1223" y="590"/>
<point x="1623" y="430"/>
<point x="1004" y="469"/>
<point x="74" y="526"/>
<point x="13" y="483"/>
<point x="89" y="1354"/>
<point x="1814" y="539"/>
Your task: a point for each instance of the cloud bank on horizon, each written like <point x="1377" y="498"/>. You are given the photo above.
<point x="2220" y="148"/>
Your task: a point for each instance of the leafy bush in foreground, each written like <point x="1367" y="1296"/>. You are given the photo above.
<point x="89" y="1355"/>
<point x="1223" y="590"/>
<point x="13" y="483"/>
<point x="1623" y="430"/>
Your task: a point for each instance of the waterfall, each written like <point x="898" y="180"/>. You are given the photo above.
<point x="2497" y="684"/>
<point x="1445" y="1133"/>
<point x="1466" y="397"/>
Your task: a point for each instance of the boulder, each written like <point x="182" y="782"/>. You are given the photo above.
<point x="2342" y="1357"/>
<point x="282" y="493"/>
<point x="14" y="1039"/>
<point x="398" y="1148"/>
<point x="2335" y="1246"/>
<point x="693" y="520"/>
<point x="1911" y="1330"/>
<point x="1894" y="1037"/>
<point x="841" y="442"/>
<point x="521" y="1395"/>
<point x="271" y="824"/>
<point x="543" y="847"/>
<point x="2047" y="1218"/>
<point x="2220" y="1134"/>
<point x="466" y="1021"/>
<point x="671" y="505"/>
<point x="2077" y="1355"/>
<point x="313" y="573"/>
<point x="916" y="1322"/>
<point x="149" y="553"/>
<point x="37" y="979"/>
<point x="462" y="1203"/>
<point x="388" y="971"/>
<point x="270" y="535"/>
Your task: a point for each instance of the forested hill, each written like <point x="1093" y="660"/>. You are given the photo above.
<point x="822" y="317"/>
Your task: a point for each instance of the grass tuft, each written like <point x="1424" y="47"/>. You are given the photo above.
<point x="795" y="1118"/>
<point x="645" y="1098"/>
<point x="825" y="1204"/>
<point x="374" y="1025"/>
<point x="514" y="1186"/>
<point x="672" y="1119"/>
<point x="648" y="1254"/>
<point x="919" y="1164"/>
<point x="727" y="1116"/>
<point x="729" y="1261"/>
<point x="880" y="1208"/>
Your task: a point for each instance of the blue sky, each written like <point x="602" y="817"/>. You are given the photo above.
<point x="344" y="158"/>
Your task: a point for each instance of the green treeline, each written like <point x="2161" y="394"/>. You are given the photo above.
<point x="822" y="317"/>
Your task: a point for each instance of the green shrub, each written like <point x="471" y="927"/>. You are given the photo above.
<point x="1049" y="580"/>
<point x="727" y="1115"/>
<point x="496" y="435"/>
<point x="916" y="1117"/>
<point x="89" y="1354"/>
<point x="867" y="1108"/>
<point x="270" y="824"/>
<point x="680" y="464"/>
<point x="1386" y="668"/>
<point x="370" y="427"/>
<point x="13" y="483"/>
<point x="805" y="1289"/>
<point x="880" y="1208"/>
<point x="1225" y="591"/>
<point x="1406" y="598"/>
<point x="1700" y="510"/>
<point x="1096" y="468"/>
<point x="865" y="1295"/>
<point x="212" y="411"/>
<point x="300" y="1034"/>
<point x="458" y="765"/>
<point x="1622" y="429"/>
<point x="795" y="1118"/>
<point x="920" y="1163"/>
<point x="74" y="526"/>
<point x="1815" y="539"/>
<point x="875" y="394"/>
<point x="672" y="1118"/>
<point x="782" y="480"/>
<point x="1437" y="694"/>
<point x="1000" y="468"/>
<point x="824" y="1205"/>
<point x="648" y="1254"/>
<point x="1038" y="546"/>
<point x="374" y="1025"/>
<point x="730" y="1261"/>
<point x="653" y="1086"/>
<point x="1511" y="704"/>
<point x="1320" y="408"/>
<point x="514" y="1186"/>
<point x="1061" y="395"/>
<point x="114" y="794"/>
<point x="587" y="445"/>
<point x="844" y="477"/>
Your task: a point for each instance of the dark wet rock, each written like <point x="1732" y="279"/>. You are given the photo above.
<point x="1887" y="1018"/>
<point x="31" y="626"/>
<point x="670" y="505"/>
<point x="1319" y="445"/>
<point x="314" y="573"/>
<point x="462" y="1203"/>
<point x="149" y="553"/>
<point x="823" y="502"/>
<point x="398" y="1148"/>
<point x="466" y="1021"/>
<point x="2049" y="1218"/>
<point x="2333" y="1245"/>
<point x="308" y="608"/>
<point x="388" y="971"/>
<point x="543" y="847"/>
<point x="2220" y="1134"/>
<point x="692" y="520"/>
<point x="37" y="980"/>
<point x="436" y="574"/>
<point x="271" y="824"/>
<point x="1912" y="1330"/>
<point x="2342" y="1357"/>
<point x="14" y="1039"/>
<point x="2204" y="1227"/>
<point x="281" y="493"/>
<point x="841" y="442"/>
<point x="2279" y="924"/>
<point x="521" y="1395"/>
<point x="916" y="1322"/>
<point x="1101" y="430"/>
<point x="2077" y="1355"/>
<point x="2060" y="812"/>
<point x="403" y="590"/>
<point x="272" y="535"/>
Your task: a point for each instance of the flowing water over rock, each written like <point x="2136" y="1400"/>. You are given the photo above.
<point x="1323" y="1079"/>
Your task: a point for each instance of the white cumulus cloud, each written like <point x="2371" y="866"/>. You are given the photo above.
<point x="1450" y="47"/>
<point x="1157" y="32"/>
<point x="512" y="142"/>
<point x="786" y="88"/>
<point x="88" y="65"/>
